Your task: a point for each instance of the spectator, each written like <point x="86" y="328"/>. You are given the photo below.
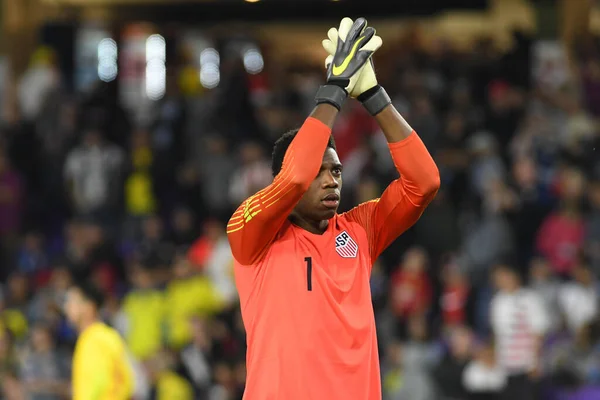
<point x="154" y="247"/>
<point x="436" y="229"/>
<point x="9" y="366"/>
<point x="453" y="157"/>
<point x="483" y="378"/>
<point x="490" y="237"/>
<point x="454" y="301"/>
<point x="45" y="371"/>
<point x="419" y="353"/>
<point x="183" y="227"/>
<point x="14" y="313"/>
<point x="46" y="304"/>
<point x="571" y="364"/>
<point x="166" y="383"/>
<point x="411" y="291"/>
<point x="545" y="285"/>
<point x="140" y="199"/>
<point x="218" y="264"/>
<point x="92" y="172"/>
<point x="487" y="166"/>
<point x="144" y="310"/>
<point x="503" y="112"/>
<point x="31" y="257"/>
<point x="578" y="300"/>
<point x="214" y="168"/>
<point x="560" y="238"/>
<point x="239" y="376"/>
<point x="425" y="121"/>
<point x="202" y="249"/>
<point x="41" y="78"/>
<point x="224" y="386"/>
<point x="189" y="294"/>
<point x="533" y="202"/>
<point x="400" y="382"/>
<point x="196" y="358"/>
<point x="91" y="253"/>
<point x="519" y="323"/>
<point x="253" y="174"/>
<point x="448" y="374"/>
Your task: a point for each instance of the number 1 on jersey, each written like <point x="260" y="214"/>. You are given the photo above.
<point x="308" y="273"/>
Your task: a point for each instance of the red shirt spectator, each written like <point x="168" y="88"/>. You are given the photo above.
<point x="411" y="289"/>
<point x="455" y="293"/>
<point x="202" y="249"/>
<point x="560" y="240"/>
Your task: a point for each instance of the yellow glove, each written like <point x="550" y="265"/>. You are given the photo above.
<point x="352" y="51"/>
<point x="365" y="79"/>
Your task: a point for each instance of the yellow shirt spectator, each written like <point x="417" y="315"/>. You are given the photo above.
<point x="186" y="298"/>
<point x="145" y="312"/>
<point x="16" y="322"/>
<point x="171" y="386"/>
<point x="139" y="194"/>
<point x="101" y="369"/>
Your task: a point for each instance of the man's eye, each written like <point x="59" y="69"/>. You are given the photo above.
<point x="337" y="171"/>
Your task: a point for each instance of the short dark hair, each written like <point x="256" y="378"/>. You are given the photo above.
<point x="508" y="264"/>
<point x="90" y="292"/>
<point x="281" y="146"/>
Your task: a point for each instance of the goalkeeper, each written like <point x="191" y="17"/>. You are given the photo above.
<point x="302" y="270"/>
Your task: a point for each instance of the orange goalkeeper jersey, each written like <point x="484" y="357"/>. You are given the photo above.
<point x="305" y="298"/>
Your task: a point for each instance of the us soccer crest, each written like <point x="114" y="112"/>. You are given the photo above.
<point x="345" y="245"/>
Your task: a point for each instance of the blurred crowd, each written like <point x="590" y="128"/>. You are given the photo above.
<point x="495" y="287"/>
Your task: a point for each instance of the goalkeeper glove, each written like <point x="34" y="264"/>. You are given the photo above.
<point x="365" y="89"/>
<point x="353" y="51"/>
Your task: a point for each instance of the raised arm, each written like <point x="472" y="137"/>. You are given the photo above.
<point x="405" y="199"/>
<point x="257" y="221"/>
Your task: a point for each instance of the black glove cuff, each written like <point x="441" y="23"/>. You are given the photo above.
<point x="375" y="100"/>
<point x="366" y="95"/>
<point x="343" y="83"/>
<point x="331" y="94"/>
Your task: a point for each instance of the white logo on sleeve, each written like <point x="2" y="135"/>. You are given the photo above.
<point x="345" y="245"/>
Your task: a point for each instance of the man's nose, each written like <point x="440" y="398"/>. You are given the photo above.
<point x="329" y="181"/>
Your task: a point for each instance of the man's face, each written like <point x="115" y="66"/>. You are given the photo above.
<point x="321" y="200"/>
<point x="74" y="306"/>
<point x="92" y="138"/>
<point x="504" y="279"/>
<point x="41" y="339"/>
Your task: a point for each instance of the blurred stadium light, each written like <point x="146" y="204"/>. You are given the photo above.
<point x="156" y="71"/>
<point x="209" y="68"/>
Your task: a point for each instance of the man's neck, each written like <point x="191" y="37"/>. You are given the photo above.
<point x="43" y="352"/>
<point x="312" y="226"/>
<point x="512" y="290"/>
<point x="86" y="324"/>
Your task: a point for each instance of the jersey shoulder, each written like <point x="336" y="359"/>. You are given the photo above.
<point x="282" y="246"/>
<point x="346" y="222"/>
<point x="103" y="335"/>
